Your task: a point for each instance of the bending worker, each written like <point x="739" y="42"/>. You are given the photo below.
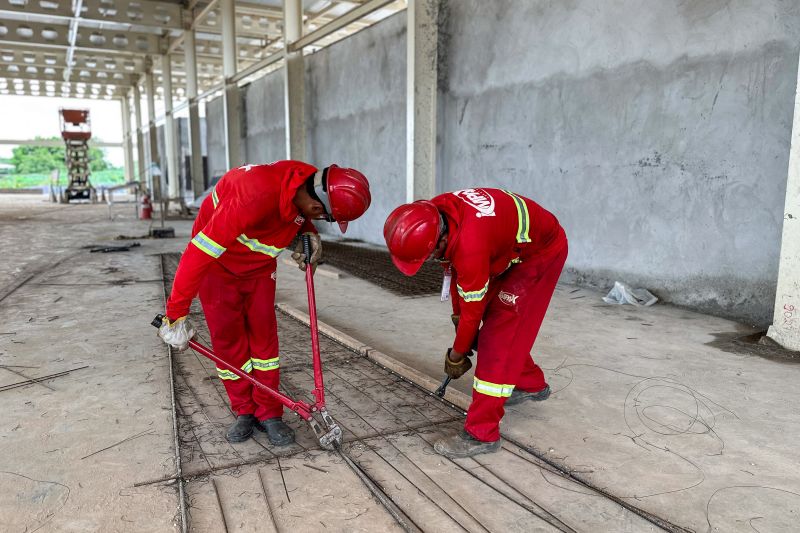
<point x="252" y="214"/>
<point x="502" y="254"/>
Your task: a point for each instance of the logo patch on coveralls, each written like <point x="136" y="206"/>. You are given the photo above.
<point x="479" y="199"/>
<point x="299" y="219"/>
<point x="508" y="298"/>
<point x="274" y="276"/>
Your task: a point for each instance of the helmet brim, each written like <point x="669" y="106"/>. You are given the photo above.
<point x="409" y="268"/>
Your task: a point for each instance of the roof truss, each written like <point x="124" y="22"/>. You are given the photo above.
<point x="114" y="38"/>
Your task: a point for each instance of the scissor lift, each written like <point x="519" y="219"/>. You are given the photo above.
<point x="76" y="132"/>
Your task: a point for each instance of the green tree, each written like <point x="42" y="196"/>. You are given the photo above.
<point x="31" y="159"/>
<point x="97" y="159"/>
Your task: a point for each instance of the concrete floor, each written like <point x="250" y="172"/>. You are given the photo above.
<point x="63" y="308"/>
<point x="655" y="405"/>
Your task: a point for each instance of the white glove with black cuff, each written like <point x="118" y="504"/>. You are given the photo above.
<point x="177" y="333"/>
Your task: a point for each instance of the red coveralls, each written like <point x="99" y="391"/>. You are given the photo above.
<point x="243" y="225"/>
<point x="506" y="254"/>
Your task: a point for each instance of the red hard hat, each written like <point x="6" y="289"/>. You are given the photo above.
<point x="345" y="194"/>
<point x="411" y="232"/>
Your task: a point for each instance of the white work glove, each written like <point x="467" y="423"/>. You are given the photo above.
<point x="176" y="334"/>
<point x="316" y="251"/>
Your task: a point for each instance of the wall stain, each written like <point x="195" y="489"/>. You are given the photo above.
<point x="756" y="344"/>
<point x="654" y="161"/>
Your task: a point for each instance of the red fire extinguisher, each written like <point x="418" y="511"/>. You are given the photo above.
<point x="145" y="208"/>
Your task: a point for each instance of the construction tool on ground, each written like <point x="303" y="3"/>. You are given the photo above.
<point x="76" y="132"/>
<point x="111" y="248"/>
<point x="443" y="387"/>
<point x="330" y="438"/>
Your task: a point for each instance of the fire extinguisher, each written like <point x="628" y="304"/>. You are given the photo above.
<point x="145" y="208"/>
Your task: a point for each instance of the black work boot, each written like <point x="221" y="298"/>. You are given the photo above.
<point x="242" y="429"/>
<point x="278" y="433"/>
<point x="519" y="396"/>
<point x="462" y="444"/>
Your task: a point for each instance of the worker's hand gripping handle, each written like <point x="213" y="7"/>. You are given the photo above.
<point x="157" y="321"/>
<point x="307" y="248"/>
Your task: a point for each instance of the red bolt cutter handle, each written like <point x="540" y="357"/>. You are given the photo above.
<point x="301" y="408"/>
<point x="319" y="387"/>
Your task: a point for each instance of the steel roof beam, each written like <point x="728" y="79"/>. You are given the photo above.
<point x="161" y="15"/>
<point x="55" y="74"/>
<point x="27" y="92"/>
<point x="352" y="16"/>
<point x="37" y="33"/>
<point x="46" y="72"/>
<point x="20" y="54"/>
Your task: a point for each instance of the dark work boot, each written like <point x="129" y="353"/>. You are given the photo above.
<point x="242" y="429"/>
<point x="519" y="396"/>
<point x="278" y="433"/>
<point x="462" y="444"/>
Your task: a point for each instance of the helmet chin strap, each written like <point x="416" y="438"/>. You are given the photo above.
<point x="443" y="230"/>
<point x="321" y="194"/>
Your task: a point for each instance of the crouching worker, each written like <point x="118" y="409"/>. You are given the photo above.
<point x="252" y="214"/>
<point x="502" y="254"/>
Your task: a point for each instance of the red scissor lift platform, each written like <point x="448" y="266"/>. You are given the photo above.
<point x="76" y="132"/>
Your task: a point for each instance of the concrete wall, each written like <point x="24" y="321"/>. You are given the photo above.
<point x="161" y="143"/>
<point x="185" y="152"/>
<point x="182" y="133"/>
<point x="266" y="119"/>
<point x="215" y="138"/>
<point x="658" y="133"/>
<point x="355" y="96"/>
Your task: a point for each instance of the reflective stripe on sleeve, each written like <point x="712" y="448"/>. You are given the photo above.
<point x="259" y="247"/>
<point x="206" y="244"/>
<point x="266" y="364"/>
<point x="473" y="296"/>
<point x="214" y="197"/>
<point x="523" y="218"/>
<point x="492" y="389"/>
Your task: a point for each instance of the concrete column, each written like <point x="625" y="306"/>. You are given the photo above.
<point x="127" y="138"/>
<point x="421" y="91"/>
<point x="294" y="81"/>
<point x="170" y="146"/>
<point x="231" y="98"/>
<point x="195" y="147"/>
<point x="150" y="92"/>
<point x="137" y="112"/>
<point x="785" y="328"/>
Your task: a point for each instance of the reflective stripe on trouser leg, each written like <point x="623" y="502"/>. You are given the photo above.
<point x="225" y="373"/>
<point x="262" y="335"/>
<point x="223" y="307"/>
<point x="492" y="389"/>
<point x="266" y="364"/>
<point x="506" y="339"/>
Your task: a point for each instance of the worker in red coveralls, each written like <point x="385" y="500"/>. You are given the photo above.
<point x="251" y="215"/>
<point x="502" y="254"/>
